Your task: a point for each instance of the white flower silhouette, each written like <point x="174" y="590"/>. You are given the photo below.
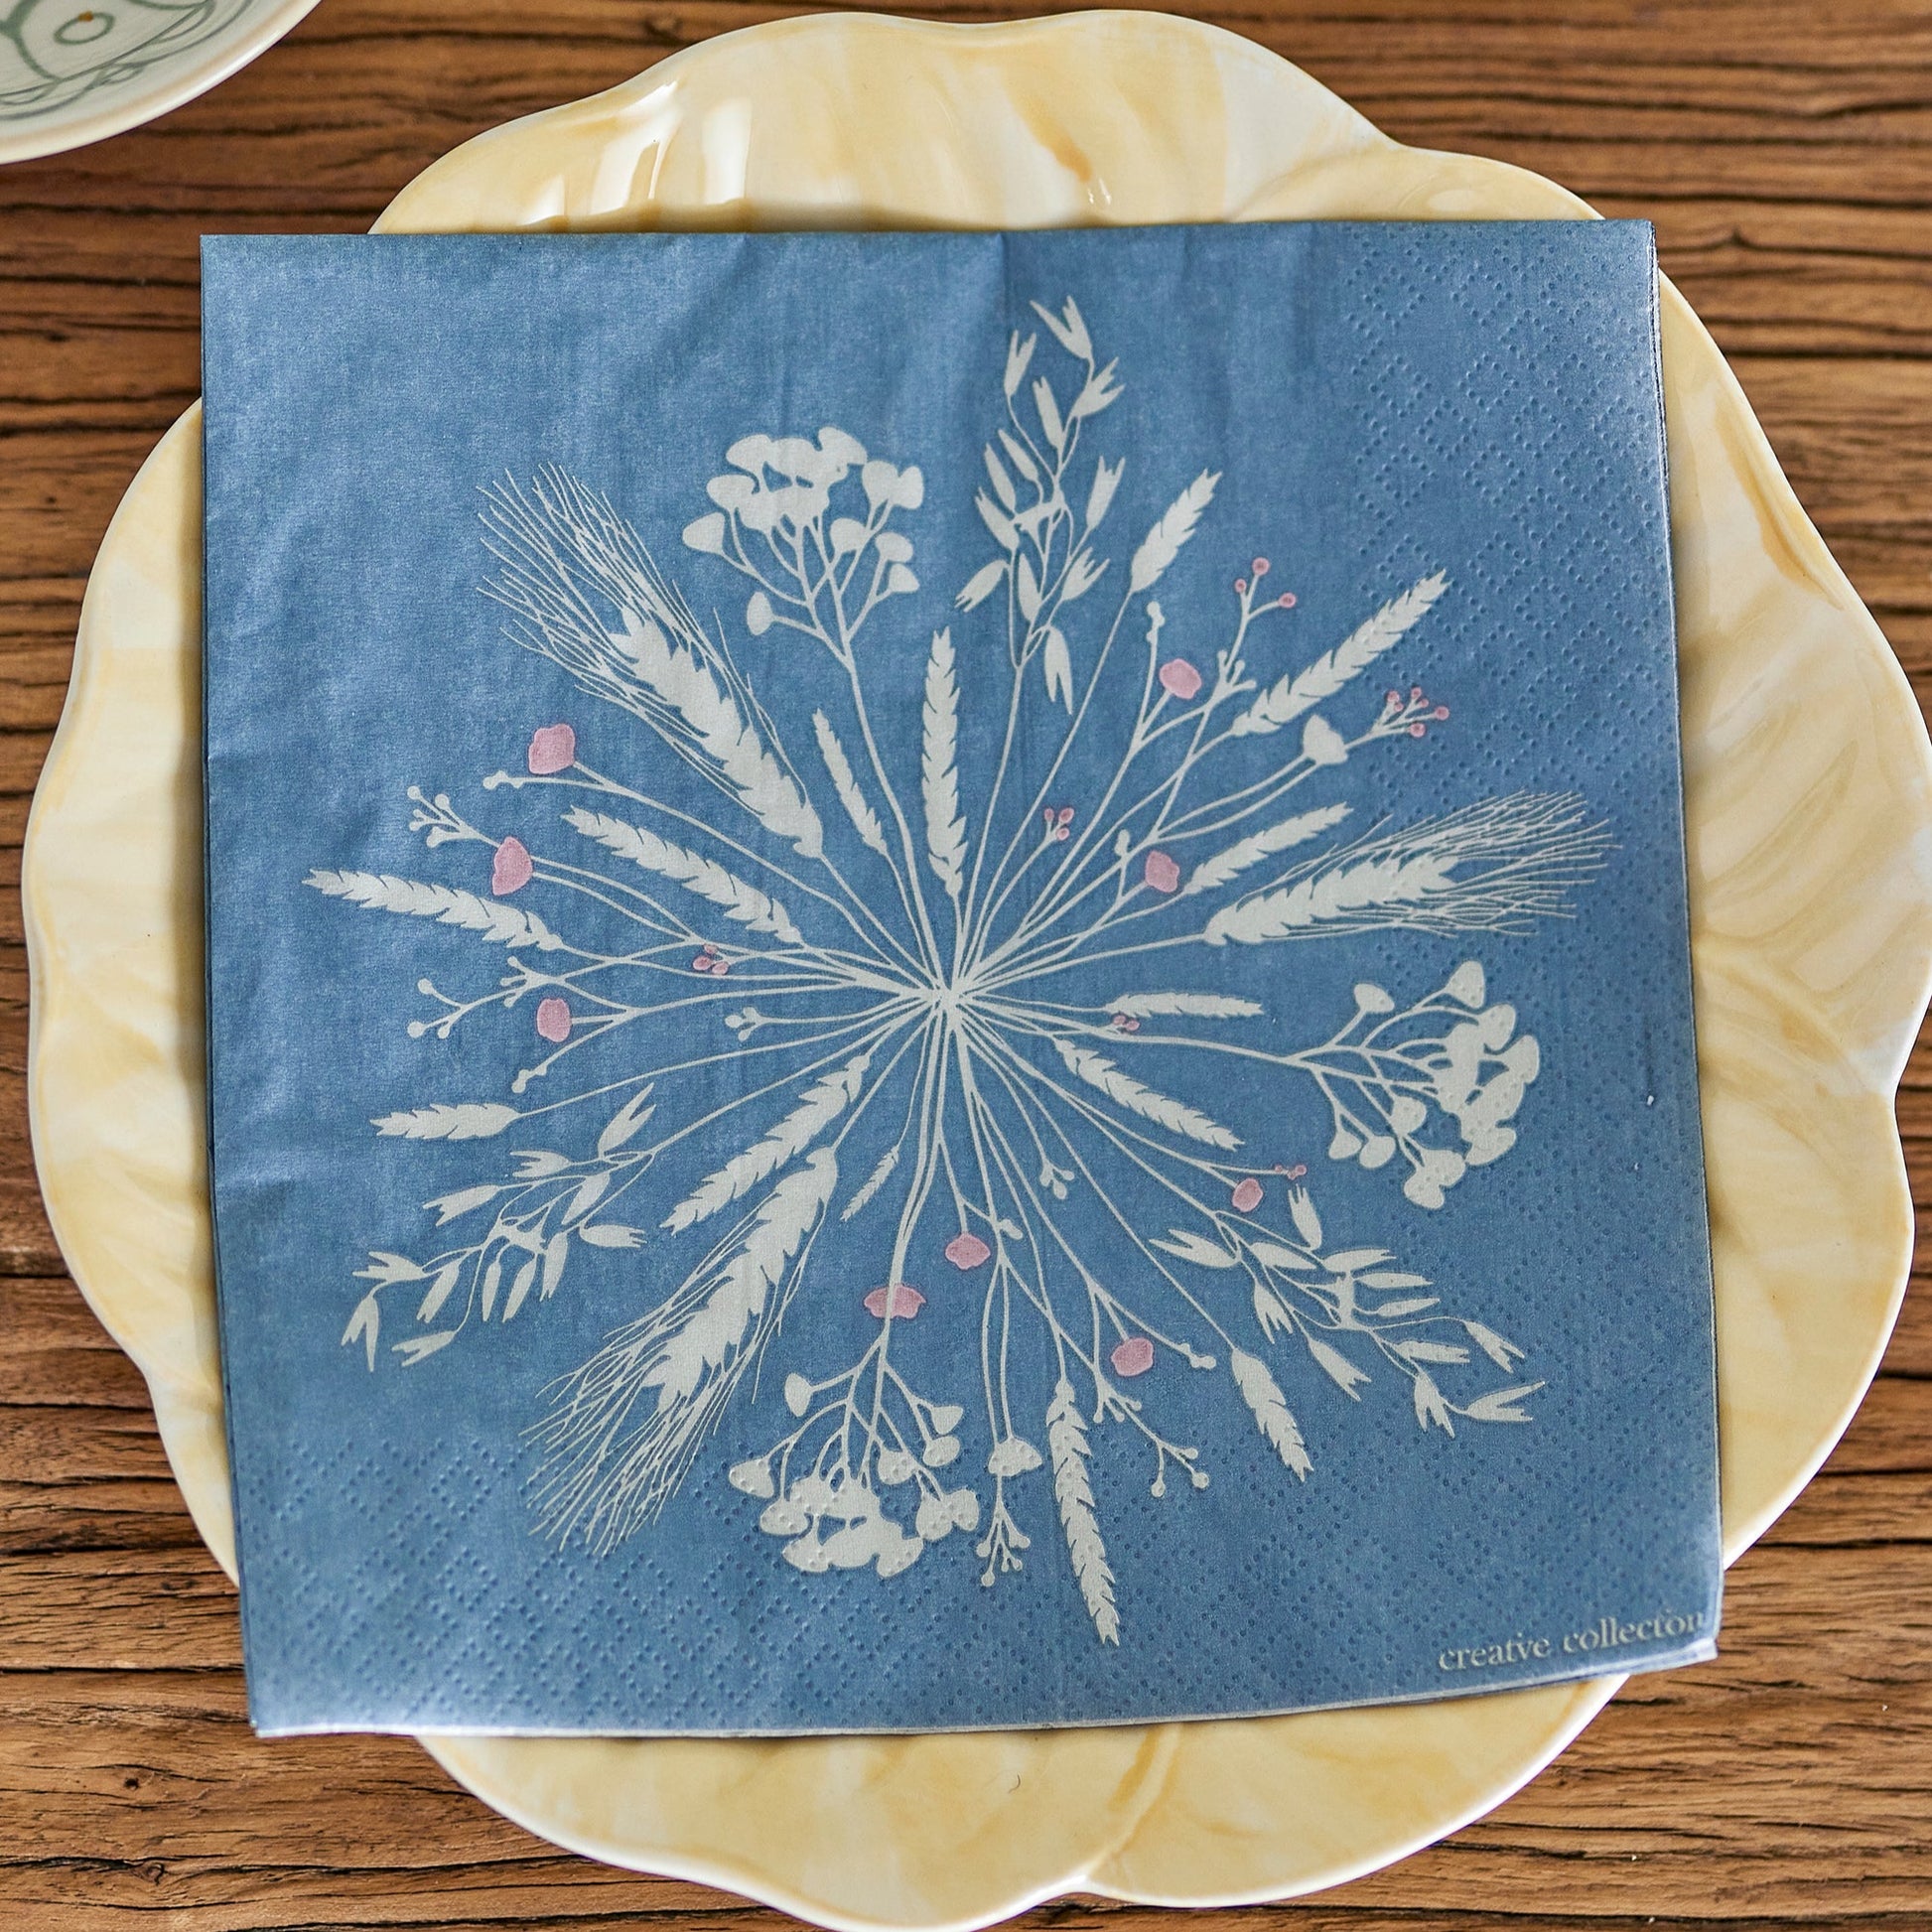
<point x="962" y="977"/>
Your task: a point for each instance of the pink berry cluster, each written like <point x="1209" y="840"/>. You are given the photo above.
<point x="1248" y="589"/>
<point x="1059" y="824"/>
<point x="1413" y="713"/>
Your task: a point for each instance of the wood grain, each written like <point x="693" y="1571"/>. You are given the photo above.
<point x="1784" y="150"/>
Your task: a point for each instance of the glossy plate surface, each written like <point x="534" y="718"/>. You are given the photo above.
<point x="1809" y="794"/>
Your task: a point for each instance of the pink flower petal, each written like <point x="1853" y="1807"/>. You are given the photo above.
<point x="553" y="1019"/>
<point x="966" y="1251"/>
<point x="1134" y="1356"/>
<point x="552" y="749"/>
<point x="1161" y="871"/>
<point x="513" y="868"/>
<point x="1247" y="1195"/>
<point x="907" y="1302"/>
<point x="1180" y="679"/>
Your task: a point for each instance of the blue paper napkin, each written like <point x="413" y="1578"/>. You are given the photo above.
<point x="948" y="975"/>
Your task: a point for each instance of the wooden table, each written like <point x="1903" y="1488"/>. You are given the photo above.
<point x="1784" y="150"/>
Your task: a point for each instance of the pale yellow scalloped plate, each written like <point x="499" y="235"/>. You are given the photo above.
<point x="1810" y="809"/>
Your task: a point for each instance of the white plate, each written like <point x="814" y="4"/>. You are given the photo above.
<point x="78" y="71"/>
